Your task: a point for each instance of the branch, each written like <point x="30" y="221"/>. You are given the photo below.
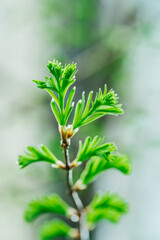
<point x="83" y="231"/>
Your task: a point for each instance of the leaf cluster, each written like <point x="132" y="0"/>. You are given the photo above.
<point x="57" y="86"/>
<point x="33" y="154"/>
<point x="51" y="204"/>
<point x="93" y="147"/>
<point x="97" y="165"/>
<point x="86" y="111"/>
<point x="57" y="229"/>
<point x="47" y="204"/>
<point x="105" y="103"/>
<point x="108" y="206"/>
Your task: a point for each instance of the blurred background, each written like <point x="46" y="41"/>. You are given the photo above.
<point x="113" y="42"/>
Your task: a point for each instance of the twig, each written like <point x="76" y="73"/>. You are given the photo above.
<point x="83" y="231"/>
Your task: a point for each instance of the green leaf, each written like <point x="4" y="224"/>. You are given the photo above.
<point x="33" y="154"/>
<point x="106" y="207"/>
<point x="65" y="85"/>
<point x="109" y="200"/>
<point x="55" y="69"/>
<point x="83" y="102"/>
<point x="54" y="97"/>
<point x="87" y="104"/>
<point x="93" y="118"/>
<point x="69" y="71"/>
<point x="92" y="148"/>
<point x="77" y="112"/>
<point x="108" y="214"/>
<point x="97" y="165"/>
<point x="68" y="77"/>
<point x="49" y="83"/>
<point x="57" y="229"/>
<point x="120" y="162"/>
<point x="56" y="111"/>
<point x="110" y="110"/>
<point x="103" y="104"/>
<point x="47" y="204"/>
<point x="69" y="105"/>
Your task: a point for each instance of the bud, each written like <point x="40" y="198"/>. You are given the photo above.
<point x="79" y="186"/>
<point x="66" y="133"/>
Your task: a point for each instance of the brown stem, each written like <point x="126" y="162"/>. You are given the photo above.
<point x="83" y="231"/>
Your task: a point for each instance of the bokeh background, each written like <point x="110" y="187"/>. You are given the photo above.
<point x="113" y="42"/>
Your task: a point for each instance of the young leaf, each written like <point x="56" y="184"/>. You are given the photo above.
<point x="108" y="200"/>
<point x="55" y="69"/>
<point x="92" y="148"/>
<point x="109" y="206"/>
<point x="77" y="113"/>
<point x="47" y="204"/>
<point x="34" y="154"/>
<point x="49" y="83"/>
<point x="109" y="214"/>
<point x="69" y="105"/>
<point x="69" y="71"/>
<point x="92" y="118"/>
<point x="63" y="78"/>
<point x="57" y="229"/>
<point x="68" y="77"/>
<point x="56" y="111"/>
<point x="103" y="104"/>
<point x="97" y="165"/>
<point x="120" y="162"/>
<point x="87" y="104"/>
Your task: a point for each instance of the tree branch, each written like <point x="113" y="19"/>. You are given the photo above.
<point x="83" y="231"/>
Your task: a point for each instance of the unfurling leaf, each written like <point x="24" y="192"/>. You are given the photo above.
<point x="56" y="69"/>
<point x="103" y="104"/>
<point x="93" y="147"/>
<point x="63" y="77"/>
<point x="68" y="76"/>
<point x="97" y="165"/>
<point x="34" y="154"/>
<point x="57" y="229"/>
<point x="49" y="83"/>
<point x="109" y="206"/>
<point x="47" y="204"/>
<point x="69" y="71"/>
<point x="57" y="86"/>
